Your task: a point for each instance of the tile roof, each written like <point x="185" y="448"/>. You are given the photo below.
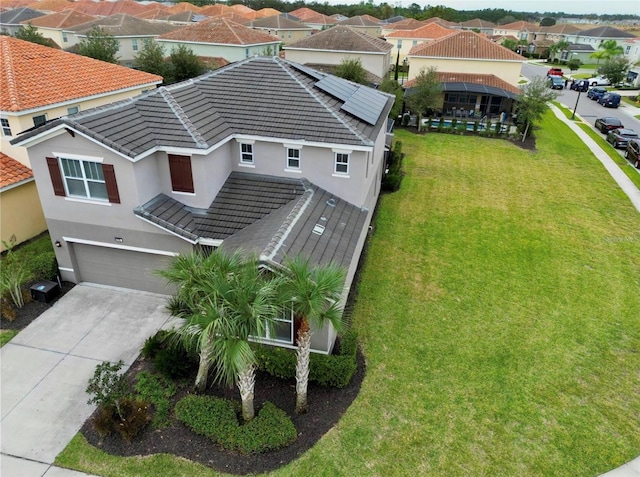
<point x="360" y="21"/>
<point x="440" y="21"/>
<point x="253" y="97"/>
<point x="52" y="5"/>
<point x="68" y="76"/>
<point x="477" y="23"/>
<point x="519" y="25"/>
<point x="106" y="8"/>
<point x="304" y="13"/>
<point x="406" y="24"/>
<point x="64" y="19"/>
<point x="12" y="172"/>
<point x="606" y="32"/>
<point x="220" y="31"/>
<point x="465" y="44"/>
<point x="279" y="22"/>
<point x="125" y="25"/>
<point x="565" y="28"/>
<point x="215" y="10"/>
<point x="430" y="31"/>
<point x="342" y="38"/>
<point x="320" y="19"/>
<point x="153" y="14"/>
<point x="18" y="15"/>
<point x="183" y="6"/>
<point x="266" y="12"/>
<point x="243" y="9"/>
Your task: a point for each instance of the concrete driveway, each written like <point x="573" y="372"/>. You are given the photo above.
<point x="45" y="370"/>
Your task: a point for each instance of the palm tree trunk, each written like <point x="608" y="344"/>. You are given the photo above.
<point x="206" y="354"/>
<point x="302" y="367"/>
<point x="246" y="383"/>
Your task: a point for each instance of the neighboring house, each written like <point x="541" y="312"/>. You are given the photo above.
<point x="20" y="210"/>
<point x="595" y="36"/>
<point x="53" y="26"/>
<point x="267" y="12"/>
<point x="479" y="26"/>
<point x="631" y="49"/>
<point x="539" y="47"/>
<point x="11" y="20"/>
<point x="263" y="155"/>
<point x="364" y="24"/>
<point x="483" y="75"/>
<point x="404" y="40"/>
<point x="404" y="24"/>
<point x="332" y="46"/>
<point x="130" y="32"/>
<point x="313" y="19"/>
<point x="73" y="83"/>
<point x="521" y="30"/>
<point x="107" y="9"/>
<point x="556" y="33"/>
<point x="576" y="51"/>
<point x="289" y="31"/>
<point x="222" y="38"/>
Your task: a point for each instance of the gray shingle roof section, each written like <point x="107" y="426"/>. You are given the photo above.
<point x="268" y="97"/>
<point x="605" y="32"/>
<point x="171" y="215"/>
<point x="122" y="24"/>
<point x="17" y="15"/>
<point x="342" y="38"/>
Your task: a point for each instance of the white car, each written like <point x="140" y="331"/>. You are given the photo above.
<point x="599" y="81"/>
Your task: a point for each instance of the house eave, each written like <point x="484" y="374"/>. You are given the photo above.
<point x="16" y="184"/>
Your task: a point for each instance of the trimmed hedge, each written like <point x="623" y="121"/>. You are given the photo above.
<point x="327" y="370"/>
<point x="216" y="419"/>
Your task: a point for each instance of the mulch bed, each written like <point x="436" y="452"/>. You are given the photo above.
<point x="326" y="406"/>
<point x="32" y="309"/>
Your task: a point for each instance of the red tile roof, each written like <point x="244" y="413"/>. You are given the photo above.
<point x="215" y="10"/>
<point x="183" y="6"/>
<point x="465" y="44"/>
<point x="220" y="31"/>
<point x="521" y="25"/>
<point x="105" y="9"/>
<point x="266" y="13"/>
<point x="483" y="79"/>
<point x="406" y="24"/>
<point x="33" y="76"/>
<point x="64" y="19"/>
<point x="304" y="13"/>
<point x="430" y="31"/>
<point x="12" y="172"/>
<point x="51" y="5"/>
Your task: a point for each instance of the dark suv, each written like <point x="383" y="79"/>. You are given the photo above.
<point x="580" y="85"/>
<point x="633" y="152"/>
<point x="620" y="137"/>
<point x="595" y="93"/>
<point x="607" y="124"/>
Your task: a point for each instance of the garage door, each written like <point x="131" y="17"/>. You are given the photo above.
<point x="121" y="268"/>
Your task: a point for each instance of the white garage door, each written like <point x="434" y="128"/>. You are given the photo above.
<point x="121" y="268"/>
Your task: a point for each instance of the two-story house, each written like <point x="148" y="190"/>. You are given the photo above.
<point x="53" y="26"/>
<point x="263" y="155"/>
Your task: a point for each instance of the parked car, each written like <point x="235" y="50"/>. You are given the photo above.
<point x="599" y="81"/>
<point x="607" y="124"/>
<point x="580" y="85"/>
<point x="609" y="100"/>
<point x="555" y="72"/>
<point x="595" y="92"/>
<point x="556" y="82"/>
<point x="632" y="152"/>
<point x="619" y="137"/>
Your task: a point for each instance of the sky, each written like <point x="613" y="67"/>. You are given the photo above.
<point x="568" y="6"/>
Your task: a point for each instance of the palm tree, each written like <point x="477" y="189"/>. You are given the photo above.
<point x="606" y="50"/>
<point x="314" y="293"/>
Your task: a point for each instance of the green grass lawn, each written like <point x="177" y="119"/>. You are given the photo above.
<point x="6" y="336"/>
<point x="498" y="312"/>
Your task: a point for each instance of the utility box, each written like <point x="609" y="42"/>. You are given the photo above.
<point x="45" y="291"/>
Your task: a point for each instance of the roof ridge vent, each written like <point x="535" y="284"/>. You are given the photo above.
<point x="318" y="229"/>
<point x="332" y="202"/>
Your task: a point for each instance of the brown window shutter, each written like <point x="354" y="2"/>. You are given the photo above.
<point x="56" y="176"/>
<point x="180" y="170"/>
<point x="110" y="182"/>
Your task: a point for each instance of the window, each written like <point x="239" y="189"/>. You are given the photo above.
<point x="628" y="50"/>
<point x="246" y="153"/>
<point x="6" y="129"/>
<point x="399" y="44"/>
<point x="134" y="44"/>
<point x="282" y="329"/>
<point x="180" y="171"/>
<point x="73" y="110"/>
<point x="293" y="158"/>
<point x="39" y="120"/>
<point x="118" y="45"/>
<point x="246" y="52"/>
<point x="342" y="163"/>
<point x="84" y="179"/>
<point x="64" y="37"/>
<point x="415" y="42"/>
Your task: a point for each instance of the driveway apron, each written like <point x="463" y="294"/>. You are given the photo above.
<point x="45" y="368"/>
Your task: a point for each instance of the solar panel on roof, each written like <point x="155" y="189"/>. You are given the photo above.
<point x="365" y="104"/>
<point x="308" y="71"/>
<point x="338" y="88"/>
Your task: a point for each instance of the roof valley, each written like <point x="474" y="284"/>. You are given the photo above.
<point x="183" y="118"/>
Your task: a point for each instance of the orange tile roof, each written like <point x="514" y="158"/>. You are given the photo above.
<point x="483" y="79"/>
<point x="105" y="9"/>
<point x="215" y="10"/>
<point x="267" y="12"/>
<point x="220" y="31"/>
<point x="320" y="19"/>
<point x="439" y="20"/>
<point x="153" y="14"/>
<point x="243" y="9"/>
<point x="520" y="25"/>
<point x="182" y="6"/>
<point x="51" y="5"/>
<point x="304" y="13"/>
<point x="68" y="76"/>
<point x="234" y="17"/>
<point x="12" y="171"/>
<point x="465" y="44"/>
<point x="430" y="31"/>
<point x="406" y="24"/>
<point x="64" y="19"/>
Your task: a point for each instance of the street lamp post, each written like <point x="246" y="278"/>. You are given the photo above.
<point x="576" y="106"/>
<point x="404" y="69"/>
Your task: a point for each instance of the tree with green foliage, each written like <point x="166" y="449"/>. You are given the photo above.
<point x="607" y="49"/>
<point x="99" y="45"/>
<point x="558" y="47"/>
<point x="548" y="21"/>
<point x="151" y="59"/>
<point x="31" y="34"/>
<point x="393" y="87"/>
<point x="511" y="44"/>
<point x="574" y="64"/>
<point x="314" y="293"/>
<point x="184" y="64"/>
<point x="426" y="94"/>
<point x="532" y="104"/>
<point x="615" y="69"/>
<point x="351" y="69"/>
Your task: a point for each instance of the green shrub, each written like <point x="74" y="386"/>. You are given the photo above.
<point x="108" y="386"/>
<point x="217" y="419"/>
<point x="278" y="362"/>
<point x="157" y="389"/>
<point x="454" y="122"/>
<point x="154" y="343"/>
<point x="174" y="362"/>
<point x="14" y="274"/>
<point x="43" y="266"/>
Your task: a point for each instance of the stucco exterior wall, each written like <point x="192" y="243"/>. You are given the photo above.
<point x="286" y="36"/>
<point x="378" y="63"/>
<point x="508" y="71"/>
<point x="405" y="46"/>
<point x="21" y="213"/>
<point x="230" y="53"/>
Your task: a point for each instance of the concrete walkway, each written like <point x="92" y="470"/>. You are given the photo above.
<point x="45" y="370"/>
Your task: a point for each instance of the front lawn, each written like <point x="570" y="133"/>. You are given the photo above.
<point x="498" y="312"/>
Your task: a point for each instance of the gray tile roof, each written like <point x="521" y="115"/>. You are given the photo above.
<point x="605" y="32"/>
<point x="342" y="38"/>
<point x="261" y="96"/>
<point x="125" y="25"/>
<point x="273" y="217"/>
<point x="18" y="15"/>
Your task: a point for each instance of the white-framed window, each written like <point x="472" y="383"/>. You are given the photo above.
<point x="73" y="110"/>
<point x="6" y="128"/>
<point x="341" y="163"/>
<point x="246" y="153"/>
<point x="399" y="44"/>
<point x="39" y="120"/>
<point x="64" y="37"/>
<point x="134" y="44"/>
<point x="282" y="330"/>
<point x="415" y="42"/>
<point x="83" y="179"/>
<point x="293" y="158"/>
<point x="118" y="45"/>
